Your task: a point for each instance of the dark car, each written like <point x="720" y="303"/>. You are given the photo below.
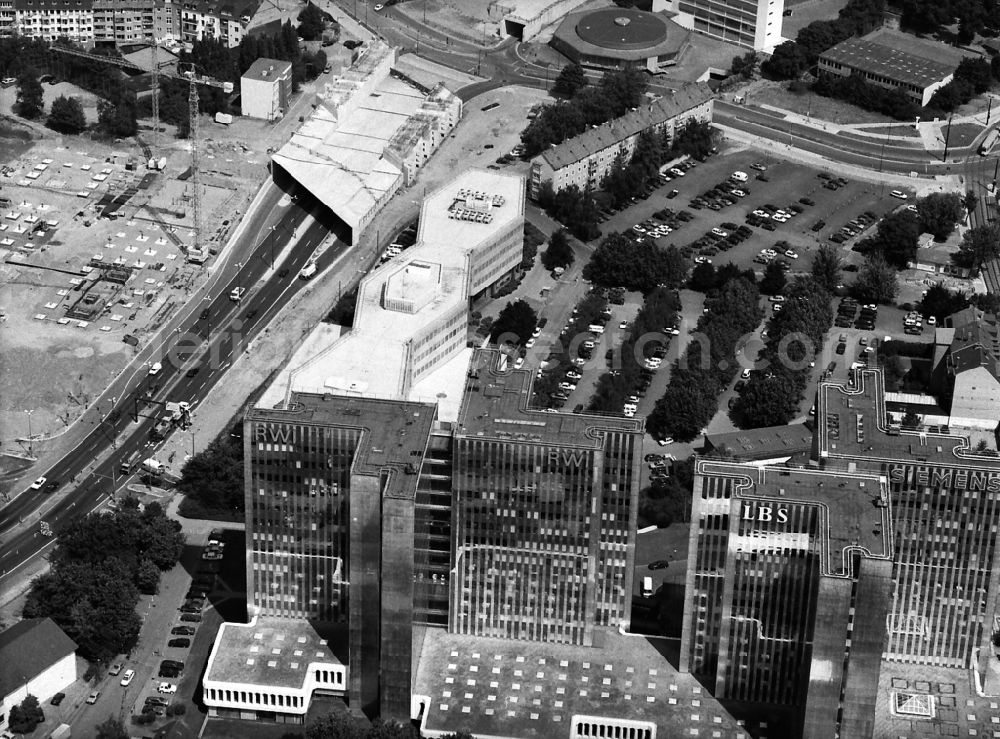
<point x="763" y="177"/>
<point x="818" y="226"/>
<point x="182" y="631"/>
<point x="193" y="371"/>
<point x="182" y="643"/>
<point x="660" y="564"/>
<point x="169" y="672"/>
<point x="57" y="699"/>
<point x="841" y="347"/>
<point x="283" y="273"/>
<point x="191" y="618"/>
<point x="807" y="201"/>
<point x="191" y="608"/>
<point x="52" y="485"/>
<point x="204" y="314"/>
<point x="155" y="700"/>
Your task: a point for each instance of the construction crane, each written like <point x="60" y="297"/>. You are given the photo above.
<point x="193" y="79"/>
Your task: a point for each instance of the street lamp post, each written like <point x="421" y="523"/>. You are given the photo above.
<point x="31" y="448"/>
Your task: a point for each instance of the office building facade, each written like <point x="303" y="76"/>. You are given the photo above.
<point x="752" y="24"/>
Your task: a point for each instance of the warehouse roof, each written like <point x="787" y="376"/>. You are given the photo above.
<point x="763" y="443"/>
<point x="614" y="131"/>
<point x="28" y="648"/>
<point x="897" y="56"/>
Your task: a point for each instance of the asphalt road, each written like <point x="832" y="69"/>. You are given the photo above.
<point x="227" y="328"/>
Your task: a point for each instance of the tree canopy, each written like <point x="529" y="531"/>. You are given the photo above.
<point x="312" y="23"/>
<point x="30" y="96"/>
<point x="979" y="245"/>
<point x="941" y="302"/>
<point x="515" y="323"/>
<point x="621" y="262"/>
<point x="876" y="281"/>
<point x="91" y="588"/>
<point x="570" y="81"/>
<point x="773" y="281"/>
<point x="895" y="240"/>
<point x="939" y="213"/>
<point x="66" y="116"/>
<point x="559" y="252"/>
<point x="26" y="715"/>
<point x="826" y="266"/>
<point x="112" y="728"/>
<point x="212" y="480"/>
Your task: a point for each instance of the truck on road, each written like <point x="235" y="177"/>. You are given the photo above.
<point x="989" y="142"/>
<point x="129" y="464"/>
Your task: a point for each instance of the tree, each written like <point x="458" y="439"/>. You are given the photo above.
<point x="26" y="716"/>
<point x="517" y="319"/>
<point x="112" y="728"/>
<point x="703" y="278"/>
<point x="975" y="71"/>
<point x="212" y="480"/>
<point x="876" y="281"/>
<point x="773" y="281"/>
<point x="570" y="81"/>
<point x="30" y="96"/>
<point x="910" y="420"/>
<point x="743" y="65"/>
<point x="970" y="201"/>
<point x="826" y="267"/>
<point x="66" y="116"/>
<point x="939" y="212"/>
<point x="786" y="63"/>
<point x="979" y="245"/>
<point x="311" y="23"/>
<point x="147" y="577"/>
<point x="941" y="302"/>
<point x="895" y="240"/>
<point x="621" y="262"/>
<point x="118" y="120"/>
<point x="695" y="138"/>
<point x="768" y="400"/>
<point x="559" y="252"/>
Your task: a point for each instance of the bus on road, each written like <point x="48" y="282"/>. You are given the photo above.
<point x="989" y="142"/>
<point x="130" y="464"/>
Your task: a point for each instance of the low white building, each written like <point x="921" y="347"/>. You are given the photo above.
<point x="36" y="658"/>
<point x="265" y="89"/>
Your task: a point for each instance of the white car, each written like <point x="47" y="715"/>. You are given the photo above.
<point x="739" y="193"/>
<point x="777" y="298"/>
<point x="761" y="213"/>
<point x="567" y="386"/>
<point x="779" y="218"/>
<point x="529" y="343"/>
<point x="631" y="407"/>
<point x="578" y="361"/>
<point x="623" y="325"/>
<point x="672" y="330"/>
<point x="237" y="294"/>
<point x="536" y="333"/>
<point x="573" y="375"/>
<point x="745" y="374"/>
<point x="37" y="484"/>
<point x="791" y="254"/>
<point x="519" y="363"/>
<point x="92" y="698"/>
<point x="154" y="368"/>
<point x="127" y="678"/>
<point x="899" y="194"/>
<point x="702" y="260"/>
<point x="720" y="233"/>
<point x="665" y="440"/>
<point x="777" y="307"/>
<point x="166" y="688"/>
<point x="379" y="7"/>
<point x="931" y="321"/>
<point x="677" y="171"/>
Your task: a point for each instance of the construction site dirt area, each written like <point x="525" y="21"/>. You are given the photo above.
<point x="93" y="245"/>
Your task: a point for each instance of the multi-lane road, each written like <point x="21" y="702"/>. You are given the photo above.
<point x="194" y="356"/>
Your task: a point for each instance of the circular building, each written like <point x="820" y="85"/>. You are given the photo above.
<point x="616" y="38"/>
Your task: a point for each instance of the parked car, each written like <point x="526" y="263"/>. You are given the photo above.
<point x="92" y="698"/>
<point x="180" y="643"/>
<point x="57" y="699"/>
<point x="183" y="631"/>
<point x="166" y="688"/>
<point x="127" y="678"/>
<point x="191" y="617"/>
<point x="115" y="669"/>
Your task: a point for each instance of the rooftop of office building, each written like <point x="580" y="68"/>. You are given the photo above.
<point x="851" y="428"/>
<point x="851" y="504"/>
<point x="425" y="286"/>
<point x="774" y="442"/>
<point x="273" y="652"/>
<point x="897" y="56"/>
<point x="396" y="432"/>
<point x="919" y="701"/>
<point x="499" y="687"/>
<point x="496" y="404"/>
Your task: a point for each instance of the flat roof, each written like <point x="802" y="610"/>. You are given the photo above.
<point x="274" y="652"/>
<point x="340" y="161"/>
<point x="907" y="693"/>
<point x="496" y="406"/>
<point x="422" y="287"/>
<point x="888" y="56"/>
<point x="267" y="70"/>
<point x="507" y="688"/>
<point x="395" y="433"/>
<point x="773" y="441"/>
<point x="593" y="34"/>
<point x="846" y="501"/>
<point x="596" y="139"/>
<point x="851" y="429"/>
<point x="991" y="276"/>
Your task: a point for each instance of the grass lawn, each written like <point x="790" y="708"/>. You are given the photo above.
<point x="815" y="106"/>
<point x="897" y="129"/>
<point x="963" y="134"/>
